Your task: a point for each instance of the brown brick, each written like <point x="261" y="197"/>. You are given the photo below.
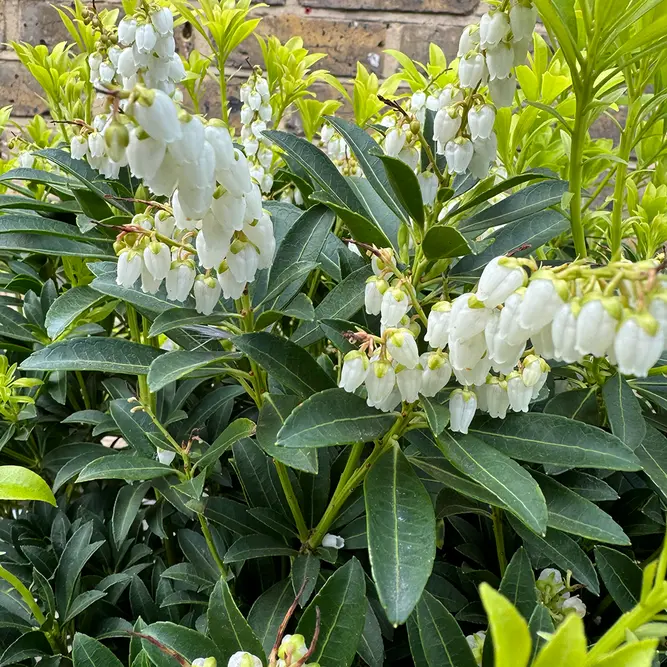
<point x="415" y="39"/>
<point x="344" y="41"/>
<point x="431" y="6"/>
<point x="19" y="89"/>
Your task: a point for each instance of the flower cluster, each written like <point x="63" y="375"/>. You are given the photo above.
<point x="142" y="50"/>
<point x="335" y="146"/>
<point x="255" y="117"/>
<point x="555" y="595"/>
<point x="488" y="51"/>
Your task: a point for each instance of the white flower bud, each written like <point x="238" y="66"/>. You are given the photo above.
<point x="574" y="605"/>
<point x="333" y="541"/>
<point x="180" y="279"/>
<point x="127" y="29"/>
<point x="156" y="113"/>
<point x="243" y="659"/>
<point x="402" y="347"/>
<point x="480" y="121"/>
<point x="129" y="268"/>
<point x="462" y="408"/>
<point x="468" y="41"/>
<point x="493" y="27"/>
<point x="502" y="91"/>
<point x="380" y="382"/>
<point x="417" y="101"/>
<point x="354" y="371"/>
<point x="165" y="457"/>
<point x="501" y="277"/>
<point x="207" y="292"/>
<point x="638" y="344"/>
<point x="499" y="61"/>
<point x="596" y="325"/>
<point x="458" y="154"/>
<point x="436" y="374"/>
<point x="164" y="223"/>
<point x="472" y="70"/>
<point x="522" y="20"/>
<point x="374" y="290"/>
<point x="395" y="304"/>
<point x="439" y="321"/>
<point x="446" y="124"/>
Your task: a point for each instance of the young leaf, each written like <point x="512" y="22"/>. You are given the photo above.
<point x="333" y="417"/>
<point x="567" y="647"/>
<point x="342" y="616"/>
<point x="624" y="412"/>
<point x="401" y="533"/>
<point x="497" y="473"/>
<point x="227" y="627"/>
<point x="17" y="483"/>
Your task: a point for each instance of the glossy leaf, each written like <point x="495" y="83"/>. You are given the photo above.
<point x="125" y="510"/>
<point x="185" y="641"/>
<point x="239" y="428"/>
<point x="621" y="576"/>
<point x="17" y="483"/>
<point x="175" y="365"/>
<point x="653" y="456"/>
<point x="268" y="612"/>
<point x="442" y="242"/>
<point x="405" y="186"/>
<point x="624" y="412"/>
<point x="401" y="533"/>
<point x="333" y="417"/>
<point x="567" y="647"/>
<point x="371" y="645"/>
<point x="542" y="438"/>
<point x="67" y="307"/>
<point x="305" y="570"/>
<point x="518" y="583"/>
<point x="88" y="652"/>
<point x="122" y="466"/>
<point x="256" y="546"/>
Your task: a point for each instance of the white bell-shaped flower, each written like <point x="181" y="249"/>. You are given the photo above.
<point x="502" y="91"/>
<point x="243" y="260"/>
<point x="129" y="268"/>
<point x="395" y="304"/>
<point x="596" y="325"/>
<point x="145" y="37"/>
<point x="165" y="456"/>
<point x="499" y="61"/>
<point x="520" y="48"/>
<point x="574" y="605"/>
<point x="564" y="333"/>
<point x="409" y="382"/>
<point x="207" y="292"/>
<point x="211" y="254"/>
<point x="446" y="125"/>
<point x="229" y="210"/>
<point x="468" y="318"/>
<point x="244" y="659"/>
<point x="480" y="121"/>
<point x="501" y="277"/>
<point x="156" y="113"/>
<point x="510" y="328"/>
<point x="458" y="154"/>
<point x="164" y="223"/>
<point x="78" y="147"/>
<point x="466" y="354"/>
<point x="658" y="308"/>
<point x="127" y="29"/>
<point x="469" y="40"/>
<point x="462" y="408"/>
<point x="494" y="26"/>
<point x="472" y="70"/>
<point x="332" y="542"/>
<point x="149" y="283"/>
<point x="476" y="375"/>
<point x="373" y="293"/>
<point x="394" y="141"/>
<point x="544" y="297"/>
<point x="231" y="287"/>
<point x="436" y="373"/>
<point x="354" y="371"/>
<point x="487" y="148"/>
<point x="532" y="370"/>
<point x="157" y="258"/>
<point x="428" y="184"/>
<point x="380" y="381"/>
<point x="165" y="179"/>
<point x="402" y="347"/>
<point x="497" y="398"/>
<point x="439" y="321"/>
<point x="180" y="279"/>
<point x="638" y="344"/>
<point x="523" y="17"/>
<point x="163" y="21"/>
<point x="188" y="148"/>
<point x="253" y="201"/>
<point x="260" y="233"/>
<point x="543" y="342"/>
<point x="518" y="393"/>
<point x="236" y="178"/>
<point x="126" y="66"/>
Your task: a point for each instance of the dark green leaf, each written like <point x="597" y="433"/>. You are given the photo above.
<point x="540" y="621"/>
<point x="176" y="318"/>
<point x="562" y="551"/>
<point x="405" y="186"/>
<point x="227" y="627"/>
<point x="343" y="613"/>
<point x="275" y="410"/>
<point x="376" y="209"/>
<point x="174" y="365"/>
<point x="22" y="222"/>
<point x="189" y="643"/>
<point x="124" y="466"/>
<point x="305" y="570"/>
<point x="401" y="533"/>
<point x="47" y="244"/>
<point x="240" y="428"/>
<point x="621" y="575"/>
<point x="67" y="307"/>
<point x="30" y="645"/>
<point x="136" y="427"/>
<point x="588" y="486"/>
<point x="82" y="602"/>
<point x="88" y="652"/>
<point x="571" y="513"/>
<point x="541" y="438"/>
<point x="107" y="355"/>
<point x="256" y="546"/>
<point x="500" y="475"/>
<point x="579" y="404"/>
<point x="333" y="417"/>
<point x="437" y="414"/>
<point x="268" y="612"/>
<point x="518" y="584"/>
<point x="287" y="362"/>
<point x="125" y="510"/>
<point x="371" y="646"/>
<point x="441" y="242"/>
<point x="624" y="412"/>
<point x="653" y="456"/>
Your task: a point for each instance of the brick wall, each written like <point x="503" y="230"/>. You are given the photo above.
<point x="347" y="30"/>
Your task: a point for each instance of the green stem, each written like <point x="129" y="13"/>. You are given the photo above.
<point x="497" y="516"/>
<point x="292" y="501"/>
<point x="135" y="333"/>
<point x="223" y="88"/>
<point x="576" y="171"/>
<point x="24" y="593"/>
<point x="211" y="545"/>
<point x="84" y="390"/>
